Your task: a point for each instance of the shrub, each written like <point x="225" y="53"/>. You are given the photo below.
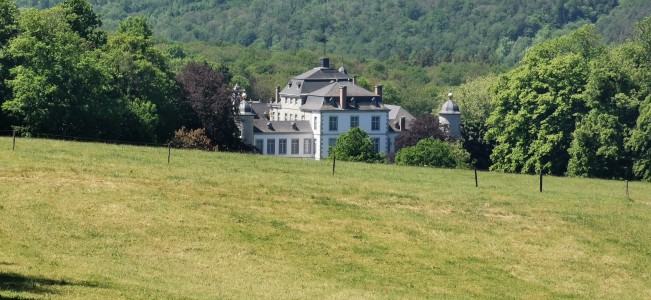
<point x="433" y="153"/>
<point x="355" y="145"/>
<point x="191" y="139"/>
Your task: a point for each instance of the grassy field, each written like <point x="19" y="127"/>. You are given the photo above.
<point x="83" y="220"/>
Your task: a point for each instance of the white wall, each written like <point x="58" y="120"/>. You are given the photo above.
<point x="289" y="137"/>
<point x="343" y="125"/>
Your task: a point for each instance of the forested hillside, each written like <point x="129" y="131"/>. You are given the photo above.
<point x="423" y="31"/>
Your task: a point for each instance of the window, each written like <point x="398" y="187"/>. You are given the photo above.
<point x="333" y="123"/>
<point x="332" y="142"/>
<point x="376" y="144"/>
<point x="282" y="146"/>
<point x="271" y="146"/>
<point x="286" y="117"/>
<point x="259" y="144"/>
<point x="294" y="146"/>
<point x="307" y="146"/>
<point x="375" y="123"/>
<point x="315" y="124"/>
<point x="354" y="121"/>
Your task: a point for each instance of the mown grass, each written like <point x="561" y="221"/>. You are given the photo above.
<point x="83" y="220"/>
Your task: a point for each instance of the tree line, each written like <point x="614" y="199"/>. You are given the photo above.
<point x="61" y="74"/>
<point x="422" y="31"/>
<point x="575" y="106"/>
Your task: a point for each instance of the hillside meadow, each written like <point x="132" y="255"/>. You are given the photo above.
<point x="98" y="221"/>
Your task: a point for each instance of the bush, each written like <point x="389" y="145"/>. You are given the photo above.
<point x="433" y="153"/>
<point x="355" y="145"/>
<point x="191" y="139"/>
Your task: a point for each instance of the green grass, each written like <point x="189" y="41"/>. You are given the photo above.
<point x="83" y="220"/>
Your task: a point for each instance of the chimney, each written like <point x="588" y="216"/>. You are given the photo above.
<point x="342" y="97"/>
<point x="277" y="94"/>
<point x="325" y="62"/>
<point x="403" y="123"/>
<point x="354" y="79"/>
<point x="378" y="90"/>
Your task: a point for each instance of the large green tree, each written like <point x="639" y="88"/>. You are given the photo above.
<point x="142" y="84"/>
<point x="612" y="95"/>
<point x="640" y="140"/>
<point x="8" y="30"/>
<point x="58" y="87"/>
<point x="537" y="104"/>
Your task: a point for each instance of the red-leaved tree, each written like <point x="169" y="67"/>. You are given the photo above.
<point x="425" y="126"/>
<point x="208" y="96"/>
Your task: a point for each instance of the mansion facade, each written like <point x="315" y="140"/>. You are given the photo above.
<point x="313" y="109"/>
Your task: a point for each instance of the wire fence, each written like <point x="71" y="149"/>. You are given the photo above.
<point x="17" y="134"/>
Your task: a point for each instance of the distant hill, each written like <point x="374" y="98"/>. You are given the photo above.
<point x="423" y="31"/>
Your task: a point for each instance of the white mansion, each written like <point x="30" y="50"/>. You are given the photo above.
<point x="308" y="115"/>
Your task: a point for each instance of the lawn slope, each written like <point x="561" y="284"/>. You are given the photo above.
<point x="84" y="220"/>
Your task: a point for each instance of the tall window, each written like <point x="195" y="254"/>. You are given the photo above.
<point x="282" y="146"/>
<point x="316" y="127"/>
<point x="294" y="146"/>
<point x="307" y="146"/>
<point x="375" y="123"/>
<point x="354" y="121"/>
<point x="271" y="146"/>
<point x="376" y="144"/>
<point x="332" y="142"/>
<point x="333" y="123"/>
<point x="259" y="144"/>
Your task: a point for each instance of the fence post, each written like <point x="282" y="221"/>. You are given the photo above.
<point x="169" y="152"/>
<point x="476" y="181"/>
<point x="334" y="163"/>
<point x="627" y="196"/>
<point x="541" y="180"/>
<point x="13" y="148"/>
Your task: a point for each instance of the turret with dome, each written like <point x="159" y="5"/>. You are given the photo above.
<point x="450" y="117"/>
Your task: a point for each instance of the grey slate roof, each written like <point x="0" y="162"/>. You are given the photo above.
<point x="352" y="90"/>
<point x="394" y="117"/>
<point x="313" y="80"/>
<point x="262" y="126"/>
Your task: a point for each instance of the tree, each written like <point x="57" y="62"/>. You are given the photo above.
<point x="8" y="20"/>
<point x="537" y="104"/>
<point x="207" y="93"/>
<point x="142" y="84"/>
<point x="355" y="145"/>
<point x="58" y="87"/>
<point x="84" y="21"/>
<point x="639" y="142"/>
<point x="474" y="99"/>
<point x="598" y="147"/>
<point x="8" y="30"/>
<point x="431" y="152"/>
<point x="425" y="126"/>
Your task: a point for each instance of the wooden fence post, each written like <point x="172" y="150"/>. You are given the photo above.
<point x="541" y="181"/>
<point x="476" y="181"/>
<point x="169" y="152"/>
<point x="13" y="148"/>
<point x="334" y="163"/>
